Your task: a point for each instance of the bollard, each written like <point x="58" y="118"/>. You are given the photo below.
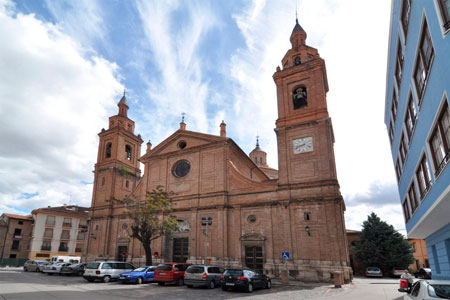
<point x="338" y="279"/>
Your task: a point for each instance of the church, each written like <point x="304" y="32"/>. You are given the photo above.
<point x="255" y="212"/>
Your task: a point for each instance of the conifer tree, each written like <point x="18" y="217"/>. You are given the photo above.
<point x="380" y="245"/>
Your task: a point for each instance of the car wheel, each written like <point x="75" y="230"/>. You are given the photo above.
<point x="37" y="270"/>
<point x="139" y="280"/>
<point x="212" y="284"/>
<point x="250" y="288"/>
<point x="180" y="281"/>
<point x="107" y="279"/>
<point x="160" y="283"/>
<point x="268" y="284"/>
<point x="25" y="269"/>
<point x="189" y="285"/>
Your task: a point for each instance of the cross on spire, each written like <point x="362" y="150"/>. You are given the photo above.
<point x="182" y="117"/>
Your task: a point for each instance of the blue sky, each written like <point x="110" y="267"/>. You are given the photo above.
<point x="64" y="66"/>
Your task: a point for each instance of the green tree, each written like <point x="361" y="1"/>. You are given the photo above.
<point x="151" y="218"/>
<point x="380" y="245"/>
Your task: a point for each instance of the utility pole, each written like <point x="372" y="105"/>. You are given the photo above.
<point x="206" y="221"/>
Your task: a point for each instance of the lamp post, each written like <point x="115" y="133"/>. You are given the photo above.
<point x="206" y="221"/>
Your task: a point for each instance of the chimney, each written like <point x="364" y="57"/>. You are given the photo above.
<point x="223" y="129"/>
<point x="149" y="146"/>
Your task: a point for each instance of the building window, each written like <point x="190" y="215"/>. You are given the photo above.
<point x="444" y="7"/>
<point x="128" y="151"/>
<point x="15" y="245"/>
<point x="65" y="235"/>
<point x="103" y="181"/>
<point x="13" y="255"/>
<point x="403" y="150"/>
<point x="20" y="222"/>
<point x="406" y="211"/>
<point x="440" y="140"/>
<point x="399" y="63"/>
<point x="46" y="246"/>
<point x="127" y="184"/>
<point x="78" y="248"/>
<point x="410" y="118"/>
<point x="391" y="132"/>
<point x="48" y="233"/>
<point x="50" y="220"/>
<point x="423" y="62"/>
<point x="394" y="105"/>
<point x="67" y="222"/>
<point x="417" y="264"/>
<point x="412" y="198"/>
<point x="423" y="178"/>
<point x="108" y="150"/>
<point x="427" y="263"/>
<point x="398" y="169"/>
<point x="17" y="233"/>
<point x="63" y="247"/>
<point x="405" y="14"/>
<point x="80" y="236"/>
<point x="307" y="216"/>
<point x="299" y="97"/>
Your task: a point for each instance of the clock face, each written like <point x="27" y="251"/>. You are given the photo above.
<point x="303" y="145"/>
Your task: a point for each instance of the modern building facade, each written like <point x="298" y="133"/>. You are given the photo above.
<point x="58" y="231"/>
<point x="256" y="212"/>
<point x="417" y="117"/>
<point x="15" y="235"/>
<point x="421" y="259"/>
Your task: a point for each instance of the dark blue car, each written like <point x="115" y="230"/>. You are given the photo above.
<point x="139" y="275"/>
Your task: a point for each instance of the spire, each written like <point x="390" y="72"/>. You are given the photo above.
<point x="257" y="144"/>
<point x="298" y="35"/>
<point x="123" y="106"/>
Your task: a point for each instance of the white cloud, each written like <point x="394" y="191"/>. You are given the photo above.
<point x="53" y="102"/>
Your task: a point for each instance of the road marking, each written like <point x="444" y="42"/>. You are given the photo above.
<point x="326" y="292"/>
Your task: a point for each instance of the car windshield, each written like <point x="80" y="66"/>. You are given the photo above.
<point x="163" y="267"/>
<point x="439" y="290"/>
<point x="42" y="262"/>
<point x="195" y="269"/>
<point x="141" y="269"/>
<point x="373" y="269"/>
<point x="92" y="265"/>
<point x="234" y="272"/>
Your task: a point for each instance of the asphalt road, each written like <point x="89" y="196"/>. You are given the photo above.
<point x="16" y="284"/>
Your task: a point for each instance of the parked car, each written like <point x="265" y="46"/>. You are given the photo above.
<point x="244" y="279"/>
<point x="427" y="290"/>
<point x="397" y="271"/>
<point x="170" y="273"/>
<point x="33" y="265"/>
<point x="41" y="267"/>
<point x="201" y="275"/>
<point x="373" y="272"/>
<point x="424" y="273"/>
<point x="54" y="268"/>
<point x="76" y="269"/>
<point x="106" y="270"/>
<point x="139" y="275"/>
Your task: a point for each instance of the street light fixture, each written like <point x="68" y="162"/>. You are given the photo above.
<point x="206" y="221"/>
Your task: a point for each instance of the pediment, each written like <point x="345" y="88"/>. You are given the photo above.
<point x="252" y="237"/>
<point x="183" y="140"/>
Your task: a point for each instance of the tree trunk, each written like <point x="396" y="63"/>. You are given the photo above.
<point x="148" y="253"/>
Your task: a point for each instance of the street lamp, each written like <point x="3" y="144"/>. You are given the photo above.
<point x="206" y="221"/>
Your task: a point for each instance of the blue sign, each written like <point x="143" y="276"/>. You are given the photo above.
<point x="285" y="255"/>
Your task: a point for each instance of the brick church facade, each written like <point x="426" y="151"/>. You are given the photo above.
<point x="257" y="212"/>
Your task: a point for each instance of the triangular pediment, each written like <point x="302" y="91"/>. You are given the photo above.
<point x="183" y="140"/>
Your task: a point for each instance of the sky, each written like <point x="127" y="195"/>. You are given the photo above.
<point x="64" y="66"/>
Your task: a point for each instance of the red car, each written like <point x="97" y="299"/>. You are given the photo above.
<point x="170" y="273"/>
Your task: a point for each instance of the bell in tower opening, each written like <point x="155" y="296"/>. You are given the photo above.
<point x="299" y="97"/>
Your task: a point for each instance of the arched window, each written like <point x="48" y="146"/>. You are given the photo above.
<point x="260" y="160"/>
<point x="108" y="150"/>
<point x="127" y="184"/>
<point x="256" y="160"/>
<point x="299" y="97"/>
<point x="128" y="151"/>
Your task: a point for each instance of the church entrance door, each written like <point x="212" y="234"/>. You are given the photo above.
<point x="180" y="249"/>
<point x="254" y="258"/>
<point x="122" y="253"/>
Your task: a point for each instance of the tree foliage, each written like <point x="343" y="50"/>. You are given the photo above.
<point x="380" y="245"/>
<point x="151" y="218"/>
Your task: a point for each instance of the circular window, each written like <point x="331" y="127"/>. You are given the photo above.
<point x="182" y="145"/>
<point x="181" y="168"/>
<point x="251" y="219"/>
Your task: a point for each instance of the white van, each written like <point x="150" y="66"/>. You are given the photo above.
<point x="105" y="270"/>
<point x="68" y="259"/>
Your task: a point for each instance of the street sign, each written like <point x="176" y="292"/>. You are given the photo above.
<point x="285" y="255"/>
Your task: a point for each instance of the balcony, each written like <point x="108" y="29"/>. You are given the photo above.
<point x="443" y="163"/>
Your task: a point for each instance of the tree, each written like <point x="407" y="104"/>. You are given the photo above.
<point x="380" y="245"/>
<point x="151" y="218"/>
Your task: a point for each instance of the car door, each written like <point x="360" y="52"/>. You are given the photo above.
<point x="149" y="274"/>
<point x="415" y="292"/>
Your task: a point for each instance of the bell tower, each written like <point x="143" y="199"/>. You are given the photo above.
<point x="303" y="128"/>
<point x="117" y="168"/>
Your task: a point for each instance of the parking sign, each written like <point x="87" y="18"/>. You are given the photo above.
<point x="285" y="255"/>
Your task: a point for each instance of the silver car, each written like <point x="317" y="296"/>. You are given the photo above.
<point x="54" y="268"/>
<point x="203" y="275"/>
<point x="106" y="270"/>
<point x="33" y="265"/>
<point x="428" y="290"/>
